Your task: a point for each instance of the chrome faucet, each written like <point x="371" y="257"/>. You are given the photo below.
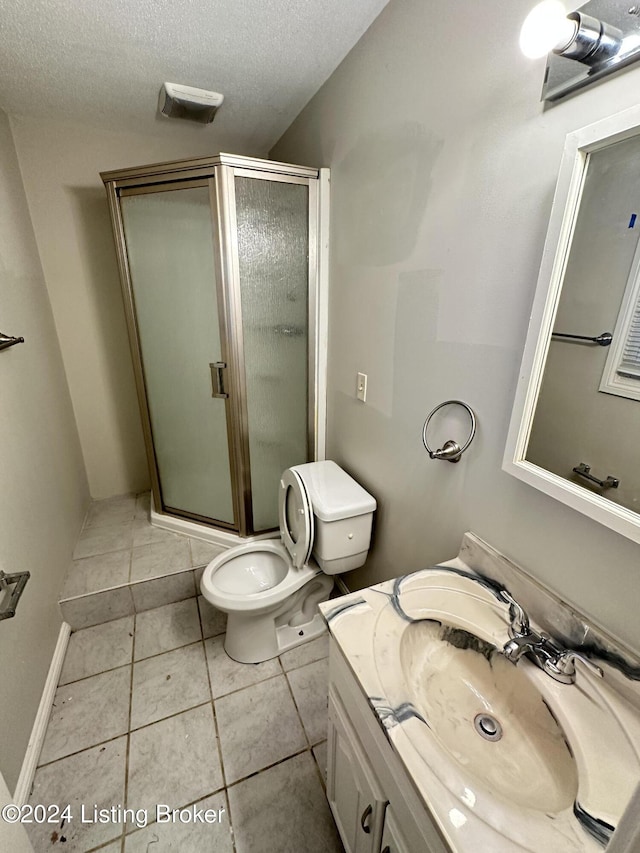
<point x="523" y="639"/>
<point x="556" y="661"/>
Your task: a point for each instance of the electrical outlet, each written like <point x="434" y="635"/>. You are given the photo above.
<point x="361" y="387"/>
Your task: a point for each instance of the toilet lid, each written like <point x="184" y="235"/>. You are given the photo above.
<point x="296" y="518"/>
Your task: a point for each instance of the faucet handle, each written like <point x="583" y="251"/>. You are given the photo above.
<point x="519" y="619"/>
<point x="566" y="663"/>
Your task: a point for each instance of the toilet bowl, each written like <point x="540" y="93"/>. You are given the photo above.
<point x="271" y="589"/>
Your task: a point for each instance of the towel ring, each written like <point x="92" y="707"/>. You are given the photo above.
<point x="450" y="450"/>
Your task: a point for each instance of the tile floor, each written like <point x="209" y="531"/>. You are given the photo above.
<point x="122" y="565"/>
<point x="150" y="710"/>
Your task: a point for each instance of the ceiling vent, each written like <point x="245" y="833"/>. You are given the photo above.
<point x="177" y="101"/>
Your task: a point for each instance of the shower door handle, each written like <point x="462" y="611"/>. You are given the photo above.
<point x="217" y="382"/>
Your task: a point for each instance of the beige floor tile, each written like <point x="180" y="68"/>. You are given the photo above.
<point x="147" y="595"/>
<point x="257" y="726"/>
<point x="176" y="837"/>
<point x="102" y="540"/>
<point x="283" y="809"/>
<point x="143" y="505"/>
<point x="168" y="684"/>
<point x="95" y="574"/>
<point x="160" y="558"/>
<point x="145" y="534"/>
<point x="166" y="628"/>
<point x="98" y="607"/>
<point x="214" y="621"/>
<point x="228" y="675"/>
<point x="306" y="653"/>
<point x="87" y="712"/>
<point x="94" y="650"/>
<point x="93" y="777"/>
<point x="203" y="552"/>
<point x="310" y="687"/>
<point x="111" y="511"/>
<point x="174" y="762"/>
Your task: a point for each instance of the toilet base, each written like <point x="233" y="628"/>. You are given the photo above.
<point x="252" y="638"/>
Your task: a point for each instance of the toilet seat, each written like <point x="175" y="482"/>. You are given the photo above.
<point x="296" y="518"/>
<point x="240" y="564"/>
<point x="260" y="574"/>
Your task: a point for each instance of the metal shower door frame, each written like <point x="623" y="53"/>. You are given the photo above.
<point x="172" y="182"/>
<point x="225" y="180"/>
<point x="218" y="174"/>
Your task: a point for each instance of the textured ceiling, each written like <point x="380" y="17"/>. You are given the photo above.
<point x="102" y="62"/>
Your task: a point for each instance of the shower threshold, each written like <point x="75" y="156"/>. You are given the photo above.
<point x="129" y="558"/>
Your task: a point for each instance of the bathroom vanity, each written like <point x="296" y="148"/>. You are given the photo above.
<point x="439" y="742"/>
<point x="374" y="804"/>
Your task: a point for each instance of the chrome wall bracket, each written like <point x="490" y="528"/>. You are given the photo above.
<point x="7" y="341"/>
<point x="18" y="581"/>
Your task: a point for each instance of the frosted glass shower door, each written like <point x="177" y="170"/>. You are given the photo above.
<point x="172" y="270"/>
<point x="272" y="220"/>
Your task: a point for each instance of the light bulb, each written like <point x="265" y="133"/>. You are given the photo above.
<point x="546" y="27"/>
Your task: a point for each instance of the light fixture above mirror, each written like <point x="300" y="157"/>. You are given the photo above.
<point x="584" y="45"/>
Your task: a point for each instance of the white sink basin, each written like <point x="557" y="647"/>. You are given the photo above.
<point x="488" y="716"/>
<point x="512" y="745"/>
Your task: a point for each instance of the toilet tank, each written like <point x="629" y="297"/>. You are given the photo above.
<point x="343" y="513"/>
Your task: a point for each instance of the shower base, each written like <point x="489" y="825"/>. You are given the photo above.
<point x="129" y="558"/>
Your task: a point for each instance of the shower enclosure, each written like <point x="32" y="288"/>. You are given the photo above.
<point x="219" y="263"/>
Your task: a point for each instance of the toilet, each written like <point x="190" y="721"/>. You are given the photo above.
<point x="271" y="589"/>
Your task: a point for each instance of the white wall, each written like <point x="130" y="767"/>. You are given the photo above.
<point x="60" y="164"/>
<point x="443" y="170"/>
<point x="43" y="487"/>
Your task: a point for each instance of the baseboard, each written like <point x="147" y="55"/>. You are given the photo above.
<point x="34" y="747"/>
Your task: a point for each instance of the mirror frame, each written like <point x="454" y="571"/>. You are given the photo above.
<point x="564" y="212"/>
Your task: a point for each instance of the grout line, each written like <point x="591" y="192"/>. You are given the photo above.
<point x="322" y="773"/>
<point x="129" y="581"/>
<point x="84" y="749"/>
<point x="213" y="706"/>
<point x="247" y="686"/>
<point x="100" y="553"/>
<point x="198" y="799"/>
<point x="171" y="716"/>
<point x="174" y="648"/>
<point x="106" y="844"/>
<point x="271" y="766"/>
<point x="169" y="651"/>
<point x="125" y="733"/>
<point x="281" y="671"/>
<point x="295" y="704"/>
<point x="94" y="674"/>
<point x="231" y="830"/>
<point x="306" y="663"/>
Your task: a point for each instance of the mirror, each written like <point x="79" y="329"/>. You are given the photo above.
<point x="576" y="419"/>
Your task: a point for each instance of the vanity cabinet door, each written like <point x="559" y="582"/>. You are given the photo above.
<point x="392" y="839"/>
<point x="354" y="794"/>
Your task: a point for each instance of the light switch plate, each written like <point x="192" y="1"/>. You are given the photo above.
<point x="361" y="387"/>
